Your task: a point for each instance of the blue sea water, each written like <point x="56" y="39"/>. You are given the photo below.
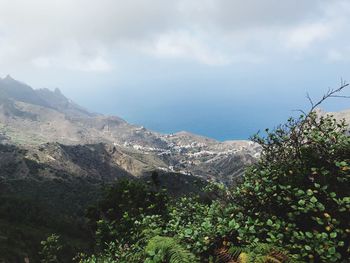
<point x="216" y="112"/>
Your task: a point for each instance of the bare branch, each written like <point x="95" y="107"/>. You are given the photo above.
<point x="310" y="100"/>
<point x="330" y="93"/>
<point x="339" y="96"/>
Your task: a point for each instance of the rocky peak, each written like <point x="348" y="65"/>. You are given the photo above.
<point x="13" y="89"/>
<point x="58" y="91"/>
<point x="8" y="77"/>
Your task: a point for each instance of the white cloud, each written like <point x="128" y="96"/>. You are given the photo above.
<point x="86" y="34"/>
<point x="304" y="36"/>
<point x="73" y="57"/>
<point x="339" y="55"/>
<point x="97" y="64"/>
<point x="184" y="45"/>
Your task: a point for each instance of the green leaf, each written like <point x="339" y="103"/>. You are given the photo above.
<point x="301" y="202"/>
<point x="309" y="234"/>
<point x="232" y="223"/>
<point x="188" y="231"/>
<point x="300" y="192"/>
<point x="331" y="250"/>
<point x="313" y="199"/>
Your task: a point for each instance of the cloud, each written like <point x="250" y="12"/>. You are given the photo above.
<point x="72" y="57"/>
<point x="184" y="45"/>
<point x="241" y="15"/>
<point x="304" y="36"/>
<point x="53" y="30"/>
<point x="85" y="35"/>
<point x="339" y="55"/>
<point x="97" y="64"/>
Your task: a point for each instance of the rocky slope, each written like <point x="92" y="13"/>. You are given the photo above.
<point x="345" y="114"/>
<point x="32" y="118"/>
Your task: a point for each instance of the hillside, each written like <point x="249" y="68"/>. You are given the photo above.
<point x="30" y="118"/>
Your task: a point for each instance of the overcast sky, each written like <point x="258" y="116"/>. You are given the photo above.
<point x="222" y="68"/>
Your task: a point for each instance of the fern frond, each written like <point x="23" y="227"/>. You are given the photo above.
<point x="235" y="251"/>
<point x="232" y="255"/>
<point x="253" y="253"/>
<point x="279" y="255"/>
<point x="224" y="255"/>
<point x="167" y="249"/>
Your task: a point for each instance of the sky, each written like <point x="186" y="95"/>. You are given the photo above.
<point x="220" y="68"/>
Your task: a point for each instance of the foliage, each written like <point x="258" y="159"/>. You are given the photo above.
<point x="297" y="195"/>
<point x="253" y="253"/>
<point x="198" y="225"/>
<point x="122" y="204"/>
<point x="31" y="210"/>
<point x="166" y="249"/>
<point x="51" y="249"/>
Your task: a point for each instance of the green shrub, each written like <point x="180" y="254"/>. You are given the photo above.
<point x="297" y="195"/>
<point x="50" y="250"/>
<point x="125" y="202"/>
<point x="198" y="225"/>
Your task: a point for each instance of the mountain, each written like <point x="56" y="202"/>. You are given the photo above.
<point x="15" y="90"/>
<point x="30" y="118"/>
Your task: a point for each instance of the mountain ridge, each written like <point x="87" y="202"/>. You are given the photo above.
<point x="30" y="118"/>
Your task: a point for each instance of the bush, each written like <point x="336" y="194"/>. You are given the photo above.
<point x="51" y="249"/>
<point x="123" y="203"/>
<point x="297" y="195"/>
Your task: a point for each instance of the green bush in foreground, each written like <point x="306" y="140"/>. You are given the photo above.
<point x="126" y="201"/>
<point x="51" y="249"/>
<point x="297" y="195"/>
